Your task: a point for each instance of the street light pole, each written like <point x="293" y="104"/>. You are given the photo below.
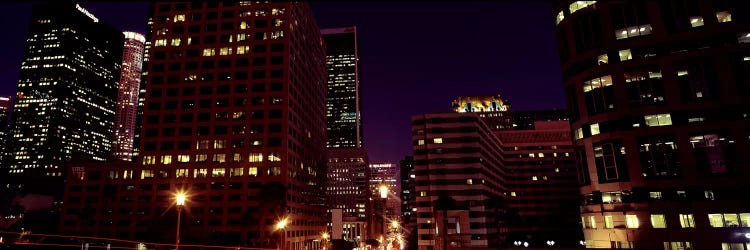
<point x="384" y="195"/>
<point x="180" y="202"/>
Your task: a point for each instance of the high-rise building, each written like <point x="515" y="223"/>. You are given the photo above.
<point x="127" y="96"/>
<point x="234" y="116"/>
<point x="542" y="195"/>
<point x="344" y="116"/>
<point x="387" y="174"/>
<point x="348" y="189"/>
<point x="6" y="106"/>
<point x="524" y="120"/>
<point x="658" y="93"/>
<point x="66" y="94"/>
<point x="456" y="157"/>
<point x="408" y="201"/>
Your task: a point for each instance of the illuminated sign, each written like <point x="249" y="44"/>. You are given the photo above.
<point x="86" y="12"/>
<point x="479" y="104"/>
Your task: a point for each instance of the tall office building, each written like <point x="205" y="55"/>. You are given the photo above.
<point x="658" y="94"/>
<point x="408" y="202"/>
<point x="542" y="195"/>
<point x="384" y="209"/>
<point x="127" y="96"/>
<point x="235" y="116"/>
<point x="66" y="93"/>
<point x="457" y="156"/>
<point x="348" y="189"/>
<point x="6" y="106"/>
<point x="344" y="116"/>
<point x="142" y="88"/>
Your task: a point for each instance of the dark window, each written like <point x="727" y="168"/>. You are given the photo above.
<point x="226" y="63"/>
<point x="714" y="153"/>
<point x="212" y="15"/>
<point x="677" y="14"/>
<point x="240" y="75"/>
<point x="610" y="161"/>
<point x="188" y="91"/>
<point x="258" y="87"/>
<point x="277" y="47"/>
<point x="206" y="90"/>
<point x="659" y="157"/>
<point x="599" y="94"/>
<point x="259" y="74"/>
<point x="242" y="62"/>
<point x="276" y="86"/>
<point x="587" y="32"/>
<point x="261" y="23"/>
<point x="194" y="28"/>
<point x="583" y="170"/>
<point x="645" y="87"/>
<point x="698" y="80"/>
<point x="208" y="64"/>
<point x="186" y="131"/>
<point x="203" y="130"/>
<point x="274" y="113"/>
<point x="204" y="103"/>
<point x="276" y="73"/>
<point x="275" y="60"/>
<point x="259" y="48"/>
<point x="209" y="39"/>
<point x="227" y="26"/>
<point x="259" y="61"/>
<point x="191" y="65"/>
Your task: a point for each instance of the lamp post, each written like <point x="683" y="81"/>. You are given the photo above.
<point x="180" y="202"/>
<point x="384" y="195"/>
<point x="281" y="225"/>
<point x="325" y="239"/>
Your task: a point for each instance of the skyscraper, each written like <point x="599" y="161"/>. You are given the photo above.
<point x="66" y="93"/>
<point x="234" y="115"/>
<point x="344" y="116"/>
<point x="127" y="96"/>
<point x="658" y="94"/>
<point x="349" y="190"/>
<point x="6" y="105"/>
<point x="408" y="196"/>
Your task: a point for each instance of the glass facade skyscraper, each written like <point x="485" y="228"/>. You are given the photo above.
<point x="344" y="116"/>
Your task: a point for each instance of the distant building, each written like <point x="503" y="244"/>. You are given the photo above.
<point x="408" y="193"/>
<point x="384" y="174"/>
<point x="526" y="119"/>
<point x="348" y="190"/>
<point x="344" y="105"/>
<point x="66" y="95"/>
<point x="6" y="106"/>
<point x="658" y="93"/>
<point x="127" y="96"/>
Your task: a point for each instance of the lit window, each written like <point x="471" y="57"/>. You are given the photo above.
<point x="147" y="174"/>
<point x="225" y="51"/>
<point x="602" y="59"/>
<point x="678" y="245"/>
<point x="420" y="142"/>
<point x="243" y="49"/>
<point x="724" y="16"/>
<point x="160" y="42"/>
<point x="744" y="38"/>
<point x="633" y="31"/>
<point x="559" y="18"/>
<point x="166" y="159"/>
<point x="243" y="25"/>
<point x="218" y="172"/>
<point x="625" y="55"/>
<point x="745" y="219"/>
<point x="220" y="158"/>
<point x="716" y="220"/>
<point x="658" y="120"/>
<point x="687" y="220"/>
<point x="179" y="18"/>
<point x="277" y="34"/>
<point x="577" y="5"/>
<point x="532" y="155"/>
<point x="631" y="221"/>
<point x="241" y="37"/>
<point x="256" y="157"/>
<point x="579" y="133"/>
<point x="219" y="144"/>
<point x="595" y="129"/>
<point x="469" y="181"/>
<point x="182" y="173"/>
<point x="512" y="193"/>
<point x="190" y="40"/>
<point x="592" y="222"/>
<point x="696" y="21"/>
<point x="183" y="158"/>
<point x="176" y="41"/>
<point x="658" y="221"/>
<point x="596" y="83"/>
<point x="235" y="172"/>
<point x="201" y="158"/>
<point x="252" y="171"/>
<point x="534" y="178"/>
<point x="149" y="160"/>
<point x="200" y="173"/>
<point x="609" y="222"/>
<point x="274" y="157"/>
<point x="422" y="193"/>
<point x="277" y="22"/>
<point x="734" y="246"/>
<point x="209" y="52"/>
<point x="541" y="155"/>
<point x="437" y="140"/>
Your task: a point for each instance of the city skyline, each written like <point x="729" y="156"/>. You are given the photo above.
<point x="489" y="58"/>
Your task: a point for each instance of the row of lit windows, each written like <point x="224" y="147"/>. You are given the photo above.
<point x="168" y="159"/>
<point x="686" y="220"/>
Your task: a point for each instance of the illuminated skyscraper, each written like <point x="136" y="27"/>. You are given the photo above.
<point x="6" y="105"/>
<point x="234" y="115"/>
<point x="66" y="92"/>
<point x="127" y="96"/>
<point x="344" y="116"/>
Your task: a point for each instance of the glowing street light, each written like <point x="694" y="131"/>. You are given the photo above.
<point x="383" y="191"/>
<point x="394" y="224"/>
<point x="281" y="225"/>
<point x="179" y="198"/>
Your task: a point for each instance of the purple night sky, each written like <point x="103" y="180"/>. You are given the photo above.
<point x="415" y="57"/>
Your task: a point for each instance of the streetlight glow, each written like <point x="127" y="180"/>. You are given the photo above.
<point x="282" y="223"/>
<point x="394" y="223"/>
<point x="383" y="191"/>
<point x="180" y="199"/>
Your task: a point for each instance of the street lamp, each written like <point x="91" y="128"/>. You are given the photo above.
<point x="179" y="199"/>
<point x="384" y="195"/>
<point x="281" y="225"/>
<point x="325" y="239"/>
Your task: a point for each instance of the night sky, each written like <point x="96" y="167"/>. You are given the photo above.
<point x="415" y="57"/>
